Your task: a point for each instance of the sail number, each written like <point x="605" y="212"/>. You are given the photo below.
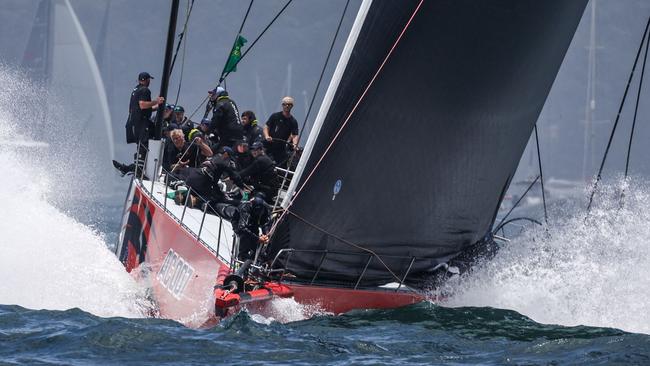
<point x="175" y="273"/>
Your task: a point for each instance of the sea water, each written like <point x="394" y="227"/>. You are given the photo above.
<point x="577" y="270"/>
<point x="574" y="292"/>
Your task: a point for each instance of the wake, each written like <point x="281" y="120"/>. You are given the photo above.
<point x="592" y="273"/>
<point x="49" y="260"/>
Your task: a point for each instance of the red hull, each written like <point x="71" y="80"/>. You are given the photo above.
<point x="182" y="271"/>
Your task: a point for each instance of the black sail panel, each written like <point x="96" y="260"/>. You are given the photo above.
<point x="37" y="58"/>
<point x="421" y="166"/>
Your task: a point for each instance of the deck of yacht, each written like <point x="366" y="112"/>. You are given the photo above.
<point x="212" y="231"/>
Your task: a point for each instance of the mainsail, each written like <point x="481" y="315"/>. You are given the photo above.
<point x="420" y="133"/>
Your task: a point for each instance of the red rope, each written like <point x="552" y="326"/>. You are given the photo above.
<point x="347" y="119"/>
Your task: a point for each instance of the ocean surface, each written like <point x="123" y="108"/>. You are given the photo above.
<point x="421" y="334"/>
<point x="572" y="293"/>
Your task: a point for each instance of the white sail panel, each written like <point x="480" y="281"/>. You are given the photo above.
<point x="77" y="83"/>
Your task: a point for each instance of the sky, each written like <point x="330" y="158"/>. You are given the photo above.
<point x="288" y="60"/>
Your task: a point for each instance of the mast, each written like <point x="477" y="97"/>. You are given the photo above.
<point x="164" y="84"/>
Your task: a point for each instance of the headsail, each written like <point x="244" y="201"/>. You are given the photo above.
<point x="416" y="144"/>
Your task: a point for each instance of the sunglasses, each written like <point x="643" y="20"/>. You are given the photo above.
<point x="287" y="104"/>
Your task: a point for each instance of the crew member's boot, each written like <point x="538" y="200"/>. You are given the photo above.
<point x="123" y="168"/>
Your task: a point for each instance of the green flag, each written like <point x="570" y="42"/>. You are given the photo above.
<point x="235" y="55"/>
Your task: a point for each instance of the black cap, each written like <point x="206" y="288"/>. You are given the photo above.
<point x="144" y="76"/>
<point x="171" y="127"/>
<point x="256" y="146"/>
<point x="259" y="198"/>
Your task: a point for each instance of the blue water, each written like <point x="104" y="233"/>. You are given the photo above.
<point x="66" y="300"/>
<point x="113" y="327"/>
<point x="420" y="334"/>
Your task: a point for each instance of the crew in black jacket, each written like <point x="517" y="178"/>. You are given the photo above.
<point x="261" y="173"/>
<point x="242" y="156"/>
<point x="204" y="180"/>
<point x="139" y="127"/>
<point x="226" y="123"/>
<point x="248" y="219"/>
<point x="252" y="132"/>
<point x="180" y="153"/>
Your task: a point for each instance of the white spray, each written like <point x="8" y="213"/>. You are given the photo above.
<point x="47" y="259"/>
<point x="592" y="273"/>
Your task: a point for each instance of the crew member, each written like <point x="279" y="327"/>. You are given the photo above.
<point x="180" y="153"/>
<point x="261" y="173"/>
<point x="242" y="156"/>
<point x="168" y="115"/>
<point x="248" y="219"/>
<point x="210" y="138"/>
<point x="139" y="127"/>
<point x="183" y="122"/>
<point x="252" y="132"/>
<point x="228" y="154"/>
<point x="225" y="122"/>
<point x="204" y="180"/>
<point x="281" y="133"/>
<point x="167" y="131"/>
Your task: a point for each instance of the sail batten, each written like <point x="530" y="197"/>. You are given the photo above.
<point x="421" y="167"/>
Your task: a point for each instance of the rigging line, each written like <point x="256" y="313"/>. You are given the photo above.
<point x="636" y="107"/>
<point x="241" y="27"/>
<point x="541" y="175"/>
<point x="198" y="107"/>
<point x="224" y="76"/>
<point x="329" y="53"/>
<point x="183" y="155"/>
<point x="180" y="36"/>
<point x="346" y="242"/>
<point x="618" y="116"/>
<point x="347" y="119"/>
<point x="500" y="227"/>
<point x="516" y="204"/>
<point x="180" y="79"/>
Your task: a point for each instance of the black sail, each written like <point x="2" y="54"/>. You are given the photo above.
<point x="424" y="160"/>
<point x="37" y="58"/>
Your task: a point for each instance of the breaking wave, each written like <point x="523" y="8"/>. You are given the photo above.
<point x="592" y="272"/>
<point x="48" y="260"/>
<point x="286" y="310"/>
